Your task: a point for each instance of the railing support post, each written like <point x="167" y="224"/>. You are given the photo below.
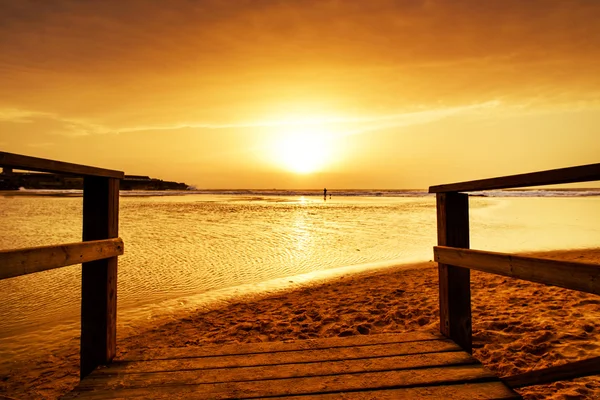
<point x="99" y="278"/>
<point x="455" y="285"/>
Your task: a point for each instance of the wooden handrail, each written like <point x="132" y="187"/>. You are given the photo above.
<point x="455" y="261"/>
<point x="583" y="277"/>
<point x="583" y="173"/>
<point x="97" y="254"/>
<point x="43" y="165"/>
<point x="19" y="262"/>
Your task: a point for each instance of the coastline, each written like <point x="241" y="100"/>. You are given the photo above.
<point x="517" y="325"/>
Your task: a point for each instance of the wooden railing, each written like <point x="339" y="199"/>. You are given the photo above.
<point x="455" y="260"/>
<point x="98" y="254"/>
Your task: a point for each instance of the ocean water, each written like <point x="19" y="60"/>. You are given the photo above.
<point x="183" y="252"/>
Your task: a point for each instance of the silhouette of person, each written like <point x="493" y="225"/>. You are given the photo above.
<point x="325" y="193"/>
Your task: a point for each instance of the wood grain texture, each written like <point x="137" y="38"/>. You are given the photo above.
<point x="299" y="386"/>
<point x="364" y="367"/>
<point x="583" y="173"/>
<point x="160" y="353"/>
<point x="466" y="391"/>
<point x="35" y="259"/>
<point x="278" y="371"/>
<point x="99" y="278"/>
<point x="44" y="165"/>
<point x="454" y="281"/>
<point x="563" y="372"/>
<point x="284" y="357"/>
<point x="583" y="277"/>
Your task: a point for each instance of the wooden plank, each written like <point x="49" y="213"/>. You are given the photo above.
<point x="566" y="274"/>
<point x="468" y="391"/>
<point x="300" y="386"/>
<point x="583" y="173"/>
<point x="35" y="259"/>
<point x="44" y="165"/>
<point x="99" y="278"/>
<point x="572" y="370"/>
<point x="270" y="372"/>
<point x="159" y="353"/>
<point x="282" y="357"/>
<point x="454" y="282"/>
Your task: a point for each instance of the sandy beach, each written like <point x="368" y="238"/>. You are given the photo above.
<point x="517" y="326"/>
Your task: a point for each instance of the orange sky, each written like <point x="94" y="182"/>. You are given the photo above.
<point x="376" y="94"/>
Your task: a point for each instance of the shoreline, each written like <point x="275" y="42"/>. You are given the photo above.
<point x="517" y="325"/>
<point x="132" y="320"/>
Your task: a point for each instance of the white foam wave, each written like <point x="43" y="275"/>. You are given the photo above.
<point x="316" y="193"/>
<point x="538" y="193"/>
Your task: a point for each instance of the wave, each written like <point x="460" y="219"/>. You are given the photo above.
<point x="538" y="193"/>
<point x="318" y="193"/>
<point x="366" y="193"/>
<point x="312" y="192"/>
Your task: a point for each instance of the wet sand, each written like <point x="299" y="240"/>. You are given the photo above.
<point x="517" y="326"/>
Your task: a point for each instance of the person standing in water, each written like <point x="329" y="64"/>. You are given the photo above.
<point x="325" y="194"/>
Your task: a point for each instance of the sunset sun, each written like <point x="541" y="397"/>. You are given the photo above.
<point x="304" y="153"/>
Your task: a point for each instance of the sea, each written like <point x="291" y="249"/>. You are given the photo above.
<point x="193" y="250"/>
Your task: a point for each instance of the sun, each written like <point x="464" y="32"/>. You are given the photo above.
<point x="304" y="152"/>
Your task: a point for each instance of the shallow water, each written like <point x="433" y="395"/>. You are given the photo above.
<point x="184" y="250"/>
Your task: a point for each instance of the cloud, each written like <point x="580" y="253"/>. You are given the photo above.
<point x="20" y="116"/>
<point x="112" y="66"/>
<point x="53" y="124"/>
<point x="420" y="117"/>
<point x="78" y="127"/>
<point x="373" y="122"/>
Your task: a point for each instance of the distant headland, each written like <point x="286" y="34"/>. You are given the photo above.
<point x="10" y="180"/>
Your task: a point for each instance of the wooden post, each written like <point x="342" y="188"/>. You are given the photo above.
<point x="455" y="288"/>
<point x="99" y="278"/>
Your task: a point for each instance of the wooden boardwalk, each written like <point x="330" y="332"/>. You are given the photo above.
<point x="412" y="365"/>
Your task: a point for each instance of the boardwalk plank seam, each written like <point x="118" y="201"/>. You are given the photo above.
<point x="471" y="361"/>
<point x="481" y="379"/>
<point x="311" y="355"/>
<point x="429" y="365"/>
<point x="125" y="360"/>
<point x="175" y="384"/>
<point x="381" y="388"/>
<point x="481" y="386"/>
<point x="106" y="371"/>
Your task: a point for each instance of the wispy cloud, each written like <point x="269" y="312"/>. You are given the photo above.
<point x="60" y="125"/>
<point x="351" y="124"/>
<point x="20" y="116"/>
<point x="420" y="117"/>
